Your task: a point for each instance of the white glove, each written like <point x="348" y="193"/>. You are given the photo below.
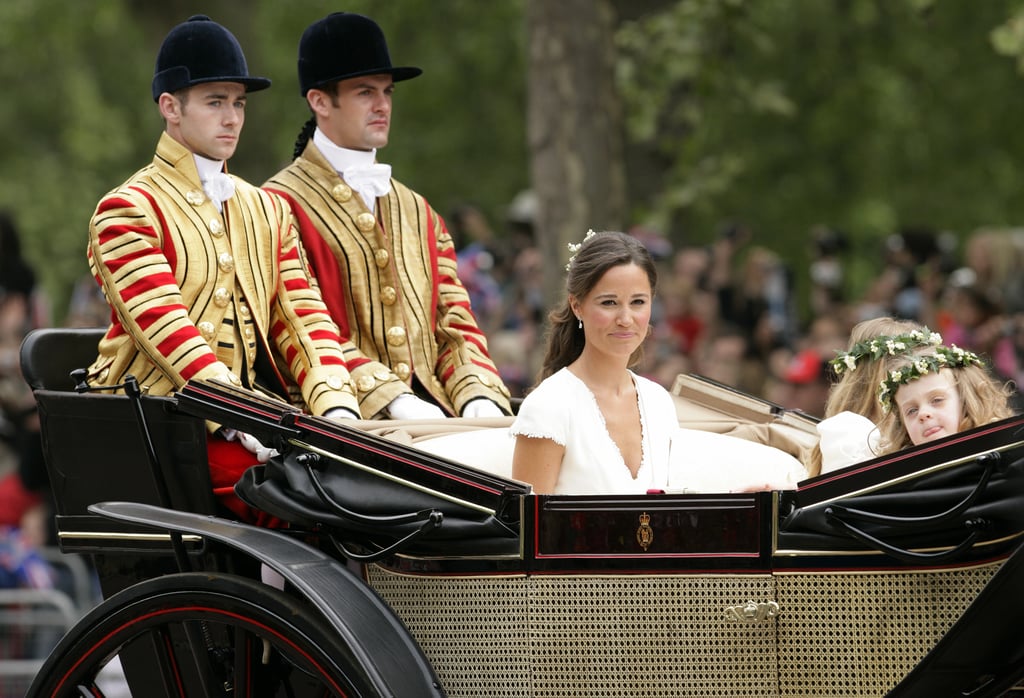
<point x="408" y="406"/>
<point x="339" y="414"/>
<point x="481" y="407"/>
<point x="251" y="444"/>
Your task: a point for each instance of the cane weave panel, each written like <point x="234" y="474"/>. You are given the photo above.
<point x="666" y="636"/>
<point x="472" y="629"/>
<point x="851" y="635"/>
<point x="588" y="637"/>
<point x="649" y="637"/>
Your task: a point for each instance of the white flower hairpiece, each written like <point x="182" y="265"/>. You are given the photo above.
<point x="574" y="247"/>
<point x="879" y="347"/>
<point x="944" y="357"/>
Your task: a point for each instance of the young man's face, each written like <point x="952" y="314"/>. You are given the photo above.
<point x="208" y="119"/>
<point x="358" y="115"/>
<point x="930" y="407"/>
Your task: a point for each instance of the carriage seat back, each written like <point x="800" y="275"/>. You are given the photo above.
<point x="93" y="443"/>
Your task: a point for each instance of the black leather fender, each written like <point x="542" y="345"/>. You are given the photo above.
<point x="379" y="640"/>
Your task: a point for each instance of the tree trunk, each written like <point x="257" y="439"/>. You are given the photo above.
<point x="574" y="128"/>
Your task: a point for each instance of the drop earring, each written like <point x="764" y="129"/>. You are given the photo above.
<point x="581" y="322"/>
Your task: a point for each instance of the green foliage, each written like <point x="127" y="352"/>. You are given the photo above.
<point x="866" y="115"/>
<point x="66" y="123"/>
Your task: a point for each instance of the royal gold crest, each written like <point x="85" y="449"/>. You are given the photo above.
<point x="645" y="534"/>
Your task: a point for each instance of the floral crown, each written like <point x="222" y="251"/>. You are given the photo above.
<point x="574" y="247"/>
<point x="878" y="347"/>
<point x="944" y="357"/>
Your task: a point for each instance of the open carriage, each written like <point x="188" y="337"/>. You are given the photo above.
<point x="414" y="566"/>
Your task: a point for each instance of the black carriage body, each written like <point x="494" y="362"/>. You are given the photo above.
<point x="838" y="588"/>
<point x="758" y="594"/>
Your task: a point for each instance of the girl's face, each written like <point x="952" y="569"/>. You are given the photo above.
<point x="617" y="311"/>
<point x="930" y="407"/>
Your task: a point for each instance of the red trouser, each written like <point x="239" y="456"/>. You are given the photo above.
<point x="228" y="460"/>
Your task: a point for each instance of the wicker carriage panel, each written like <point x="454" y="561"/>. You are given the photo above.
<point x="668" y="636"/>
<point x="649" y="636"/>
<point x="859" y="634"/>
<point x="588" y="637"/>
<point x="472" y="629"/>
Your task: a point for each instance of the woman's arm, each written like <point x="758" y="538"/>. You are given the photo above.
<point x="537" y="461"/>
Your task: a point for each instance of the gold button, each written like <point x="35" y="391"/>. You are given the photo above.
<point x="396" y="336"/>
<point x="365" y="384"/>
<point x="243" y="308"/>
<point x="381" y="374"/>
<point x="381" y="257"/>
<point x="216" y="227"/>
<point x="388" y="295"/>
<point x="341" y="192"/>
<point x="402" y="370"/>
<point x="206" y="329"/>
<point x="226" y="262"/>
<point x="195" y="197"/>
<point x="221" y="297"/>
<point x="335" y="382"/>
<point x="248" y="332"/>
<point x="365" y="222"/>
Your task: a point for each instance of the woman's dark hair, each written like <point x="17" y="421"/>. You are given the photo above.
<point x="599" y="253"/>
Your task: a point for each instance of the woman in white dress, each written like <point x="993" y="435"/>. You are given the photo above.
<point x="592" y="426"/>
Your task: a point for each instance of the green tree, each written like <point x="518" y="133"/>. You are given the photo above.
<point x="865" y="115"/>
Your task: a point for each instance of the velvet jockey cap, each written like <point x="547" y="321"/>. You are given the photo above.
<point x="345" y="45"/>
<point x="200" y="50"/>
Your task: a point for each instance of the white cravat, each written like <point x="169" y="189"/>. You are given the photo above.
<point x="358" y="168"/>
<point x="370" y="181"/>
<point x="217" y="185"/>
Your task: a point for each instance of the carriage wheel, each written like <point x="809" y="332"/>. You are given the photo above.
<point x="196" y="634"/>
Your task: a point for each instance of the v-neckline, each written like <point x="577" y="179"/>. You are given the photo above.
<point x="604" y="425"/>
